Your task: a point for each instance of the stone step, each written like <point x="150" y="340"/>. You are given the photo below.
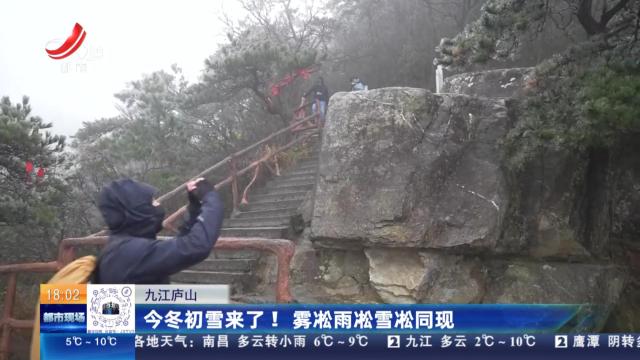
<point x="291" y="195"/>
<point x="279" y="188"/>
<point x="305" y="177"/>
<point x="266" y="213"/>
<point x="306" y="163"/>
<point x="252" y="299"/>
<point x="249" y="223"/>
<point x="311" y="165"/>
<point x="295" y="174"/>
<point x="246" y="223"/>
<point x="271" y="204"/>
<point x="210" y="277"/>
<point x="271" y="232"/>
<point x="313" y="159"/>
<point x="265" y="222"/>
<point x="281" y="193"/>
<point x="261" y="216"/>
<point x="285" y="183"/>
<point x="225" y="265"/>
<point x="299" y="172"/>
<point x="218" y="254"/>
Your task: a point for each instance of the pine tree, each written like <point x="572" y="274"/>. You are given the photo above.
<point x="505" y="25"/>
<point x="28" y="205"/>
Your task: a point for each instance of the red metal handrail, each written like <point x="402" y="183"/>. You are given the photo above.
<point x="220" y="164"/>
<point x="170" y="223"/>
<point x="299" y="113"/>
<point x="236" y="155"/>
<point x="281" y="248"/>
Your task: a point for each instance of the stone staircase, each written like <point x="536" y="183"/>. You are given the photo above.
<point x="269" y="214"/>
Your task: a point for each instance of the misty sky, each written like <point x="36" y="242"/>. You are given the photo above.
<point x="124" y="40"/>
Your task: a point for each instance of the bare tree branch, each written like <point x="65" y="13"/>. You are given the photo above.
<point x="608" y="15"/>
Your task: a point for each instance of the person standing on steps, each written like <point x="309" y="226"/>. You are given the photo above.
<point x="133" y="255"/>
<point x="320" y="98"/>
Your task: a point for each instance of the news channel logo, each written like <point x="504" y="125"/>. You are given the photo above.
<point x="110" y="309"/>
<point x="85" y="53"/>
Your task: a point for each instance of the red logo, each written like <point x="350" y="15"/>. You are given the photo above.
<point x="70" y="46"/>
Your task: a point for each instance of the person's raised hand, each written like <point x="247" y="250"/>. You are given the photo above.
<point x="191" y="185"/>
<point x="198" y="188"/>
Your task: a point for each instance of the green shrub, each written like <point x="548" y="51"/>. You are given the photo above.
<point x="611" y="104"/>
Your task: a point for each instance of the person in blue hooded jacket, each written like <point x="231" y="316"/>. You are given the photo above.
<point x="133" y="255"/>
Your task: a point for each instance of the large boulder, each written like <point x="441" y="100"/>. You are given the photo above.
<point x="405" y="276"/>
<point x="553" y="283"/>
<point x="407" y="168"/>
<point x="544" y="200"/>
<point x="395" y="274"/>
<point x="452" y="279"/>
<point x="429" y="199"/>
<point x="409" y="276"/>
<point x="344" y="274"/>
<point x="491" y="83"/>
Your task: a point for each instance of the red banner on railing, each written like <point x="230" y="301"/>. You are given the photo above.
<point x="304" y="73"/>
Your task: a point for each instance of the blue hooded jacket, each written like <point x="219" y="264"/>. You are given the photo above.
<point x="133" y="255"/>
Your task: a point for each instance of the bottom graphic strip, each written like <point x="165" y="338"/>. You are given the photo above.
<point x="339" y="346"/>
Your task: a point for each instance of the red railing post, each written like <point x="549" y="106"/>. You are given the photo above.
<point x="283" y="294"/>
<point x="283" y="250"/>
<point x="9" y="299"/>
<point x="66" y="254"/>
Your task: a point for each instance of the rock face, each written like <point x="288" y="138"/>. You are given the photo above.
<point x="395" y="274"/>
<point x="410" y="276"/>
<point x="404" y="167"/>
<point x="492" y="83"/>
<point x="415" y="197"/>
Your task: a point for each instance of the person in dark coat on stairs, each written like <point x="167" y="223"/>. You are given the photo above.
<point x="320" y="94"/>
<point x="133" y="255"/>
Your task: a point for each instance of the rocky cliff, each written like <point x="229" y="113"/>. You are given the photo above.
<point x="501" y="83"/>
<point x="416" y="203"/>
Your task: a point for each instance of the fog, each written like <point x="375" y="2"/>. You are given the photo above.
<point x="124" y="40"/>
